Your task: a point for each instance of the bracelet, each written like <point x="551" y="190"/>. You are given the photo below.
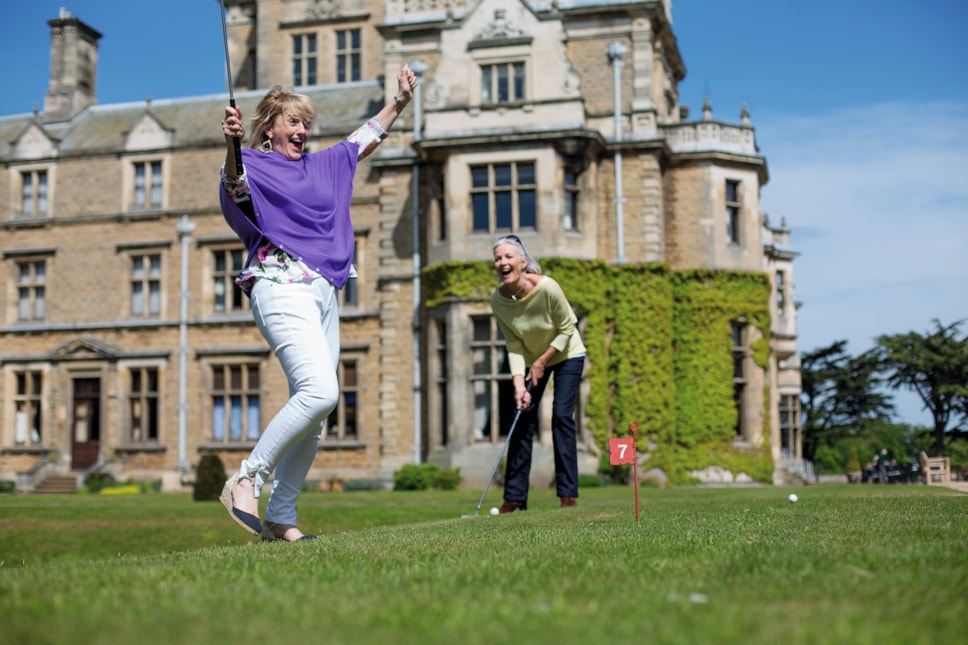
<point x="399" y="101"/>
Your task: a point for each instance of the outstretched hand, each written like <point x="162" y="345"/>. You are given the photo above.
<point x="406" y="84"/>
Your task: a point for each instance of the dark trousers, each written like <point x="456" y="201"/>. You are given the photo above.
<point x="517" y="472"/>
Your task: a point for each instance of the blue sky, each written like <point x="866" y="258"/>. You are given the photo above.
<point x="860" y="108"/>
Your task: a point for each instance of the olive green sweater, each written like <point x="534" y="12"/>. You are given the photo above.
<point x="539" y="320"/>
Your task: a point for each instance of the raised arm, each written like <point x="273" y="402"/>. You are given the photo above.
<point x="406" y="82"/>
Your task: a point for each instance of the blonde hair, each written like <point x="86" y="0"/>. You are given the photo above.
<point x="279" y="101"/>
<point x="533" y="266"/>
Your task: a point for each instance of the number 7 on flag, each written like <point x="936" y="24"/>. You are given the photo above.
<point x="621" y="451"/>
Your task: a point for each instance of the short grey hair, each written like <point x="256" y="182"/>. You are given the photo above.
<point x="533" y="266"/>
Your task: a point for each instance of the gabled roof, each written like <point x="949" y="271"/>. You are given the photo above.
<point x="192" y="122"/>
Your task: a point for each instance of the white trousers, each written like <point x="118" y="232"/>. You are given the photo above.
<point x="300" y="322"/>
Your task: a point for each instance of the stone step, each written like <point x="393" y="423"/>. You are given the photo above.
<point x="57" y="484"/>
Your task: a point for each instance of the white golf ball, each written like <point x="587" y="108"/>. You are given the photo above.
<point x="793" y="497"/>
<point x="494" y="510"/>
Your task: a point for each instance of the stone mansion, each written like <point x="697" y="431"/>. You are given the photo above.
<point x="126" y="346"/>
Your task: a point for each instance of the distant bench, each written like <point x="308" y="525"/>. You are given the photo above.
<point x="932" y="467"/>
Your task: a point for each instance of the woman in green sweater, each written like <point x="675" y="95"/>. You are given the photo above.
<point x="541" y="332"/>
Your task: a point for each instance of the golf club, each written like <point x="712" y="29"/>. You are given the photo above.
<point x="228" y="75"/>
<point x="514" y="422"/>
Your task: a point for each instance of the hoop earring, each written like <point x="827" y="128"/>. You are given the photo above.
<point x="266" y="146"/>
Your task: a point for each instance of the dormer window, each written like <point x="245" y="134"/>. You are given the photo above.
<point x="502" y="83"/>
<point x="33" y="200"/>
<point x="148" y="192"/>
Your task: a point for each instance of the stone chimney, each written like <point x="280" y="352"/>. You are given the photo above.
<point x="73" y="67"/>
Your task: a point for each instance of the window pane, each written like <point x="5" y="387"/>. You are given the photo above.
<point x="481" y="219"/>
<point x="482" y="410"/>
<point x="502" y="202"/>
<point x="152" y="419"/>
<point x="355" y="70"/>
<point x="253" y="424"/>
<point x="137" y="298"/>
<point x="526" y="209"/>
<point x="218" y="418"/>
<point x="27" y="202"/>
<point x="156" y="182"/>
<point x="503" y="84"/>
<point x="525" y="173"/>
<point x="482" y="330"/>
<point x="518" y="81"/>
<point x="40" y="304"/>
<point x="139" y="185"/>
<point x="235" y="418"/>
<point x="154" y="298"/>
<point x="350" y="429"/>
<point x="479" y="177"/>
<point x="486" y="81"/>
<point x="23" y="310"/>
<point x="42" y="192"/>
<point x="502" y="175"/>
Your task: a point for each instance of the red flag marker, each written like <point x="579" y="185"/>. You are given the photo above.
<point x="622" y="451"/>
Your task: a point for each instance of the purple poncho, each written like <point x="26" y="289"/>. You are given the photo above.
<point x="302" y="207"/>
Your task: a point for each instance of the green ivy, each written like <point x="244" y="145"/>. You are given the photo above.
<point x="659" y="353"/>
<point x="457" y="281"/>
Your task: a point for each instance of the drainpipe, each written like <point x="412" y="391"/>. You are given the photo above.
<point x="615" y="51"/>
<point x="185" y="228"/>
<point x="419" y="67"/>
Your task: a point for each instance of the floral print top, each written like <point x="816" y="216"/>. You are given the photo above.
<point x="273" y="263"/>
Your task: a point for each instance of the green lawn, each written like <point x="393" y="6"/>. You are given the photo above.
<point x="846" y="564"/>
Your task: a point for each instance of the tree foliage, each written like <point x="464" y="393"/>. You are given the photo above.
<point x="935" y="367"/>
<point x="841" y="395"/>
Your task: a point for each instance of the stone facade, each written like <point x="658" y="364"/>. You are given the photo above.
<point x="109" y="361"/>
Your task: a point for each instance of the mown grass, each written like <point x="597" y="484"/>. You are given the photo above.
<point x="846" y="564"/>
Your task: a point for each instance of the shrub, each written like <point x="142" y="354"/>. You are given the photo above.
<point x="95" y="482"/>
<point x="425" y="477"/>
<point x="448" y="479"/>
<point x="209" y="479"/>
<point x="150" y="486"/>
<point x="7" y="486"/>
<point x="408" y="478"/>
<point x="363" y="484"/>
<point x="589" y="481"/>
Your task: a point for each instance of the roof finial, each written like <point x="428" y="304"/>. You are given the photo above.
<point x="707" y="109"/>
<point x="744" y="115"/>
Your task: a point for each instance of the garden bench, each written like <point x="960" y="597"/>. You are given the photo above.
<point x="935" y="466"/>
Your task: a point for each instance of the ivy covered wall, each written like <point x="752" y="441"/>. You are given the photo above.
<point x="659" y="352"/>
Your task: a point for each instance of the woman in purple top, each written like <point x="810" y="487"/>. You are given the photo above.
<point x="291" y="209"/>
